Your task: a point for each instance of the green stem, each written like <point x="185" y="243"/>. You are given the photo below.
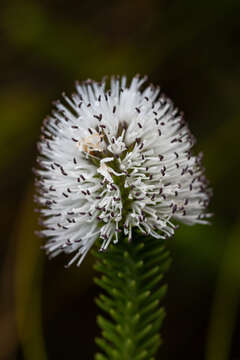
<point x="131" y="273"/>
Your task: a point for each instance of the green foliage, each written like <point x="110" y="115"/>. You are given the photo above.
<point x="131" y="276"/>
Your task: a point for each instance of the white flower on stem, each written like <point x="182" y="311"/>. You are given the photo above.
<point x="116" y="160"/>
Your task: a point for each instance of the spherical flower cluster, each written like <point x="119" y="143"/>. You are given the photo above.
<point x="113" y="160"/>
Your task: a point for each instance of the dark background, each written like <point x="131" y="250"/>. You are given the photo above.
<point x="191" y="48"/>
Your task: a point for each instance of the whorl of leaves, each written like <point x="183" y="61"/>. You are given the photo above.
<point x="131" y="276"/>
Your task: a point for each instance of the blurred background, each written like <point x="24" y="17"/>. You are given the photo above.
<point x="191" y="49"/>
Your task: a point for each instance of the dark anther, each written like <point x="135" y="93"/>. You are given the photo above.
<point x="98" y="117"/>
<point x="49" y="146"/>
<point x="174" y="209"/>
<point x="63" y="172"/>
<point x="167" y="184"/>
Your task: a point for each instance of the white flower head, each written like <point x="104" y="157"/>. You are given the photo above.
<point x="116" y="160"/>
